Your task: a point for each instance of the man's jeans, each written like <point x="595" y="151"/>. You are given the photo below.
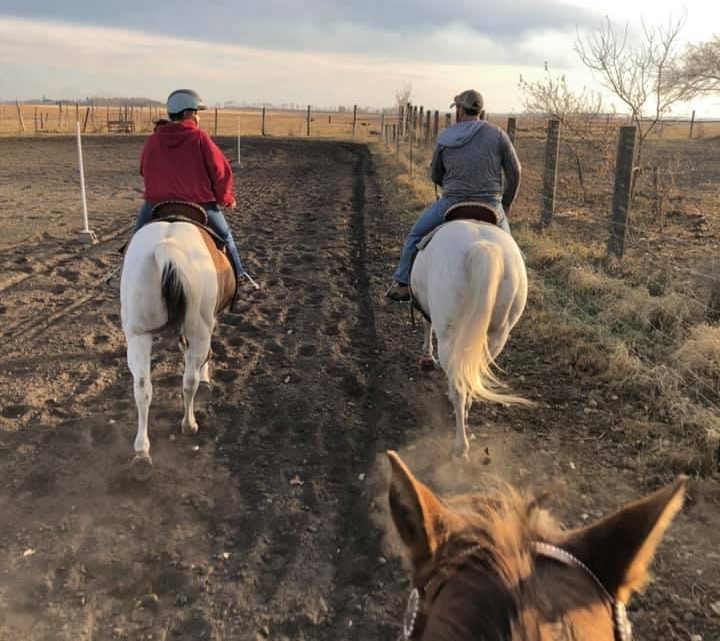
<point x="217" y="223"/>
<point x="432" y="217"/>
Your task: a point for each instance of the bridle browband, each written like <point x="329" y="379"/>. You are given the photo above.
<point x="621" y="623"/>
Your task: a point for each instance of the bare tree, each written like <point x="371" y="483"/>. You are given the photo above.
<point x="636" y="71"/>
<point x="403" y="95"/>
<point x="579" y="112"/>
<point x="698" y="70"/>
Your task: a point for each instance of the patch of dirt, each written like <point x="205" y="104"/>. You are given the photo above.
<point x="267" y="523"/>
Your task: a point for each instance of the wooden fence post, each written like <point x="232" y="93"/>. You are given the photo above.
<point x="408" y="120"/>
<point x="421" y="117"/>
<point x="21" y="122"/>
<point x="692" y="123"/>
<point x="511" y="128"/>
<point x="412" y="140"/>
<point x="354" y="119"/>
<point x="448" y="120"/>
<point x="436" y="124"/>
<point x="382" y="123"/>
<point x="401" y="114"/>
<point x="622" y="190"/>
<point x="262" y="124"/>
<point x="397" y="142"/>
<point x="308" y="121"/>
<point x="552" y="147"/>
<point x="428" y="139"/>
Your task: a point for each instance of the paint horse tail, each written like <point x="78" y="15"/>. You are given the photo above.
<point x="173" y="284"/>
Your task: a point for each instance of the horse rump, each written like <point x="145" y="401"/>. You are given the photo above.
<point x="173" y="294"/>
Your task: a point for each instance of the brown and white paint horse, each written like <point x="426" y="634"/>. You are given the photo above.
<point x="175" y="278"/>
<point x="500" y="568"/>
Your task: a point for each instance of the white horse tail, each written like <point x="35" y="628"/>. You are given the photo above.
<point x="173" y="289"/>
<point x="470" y="361"/>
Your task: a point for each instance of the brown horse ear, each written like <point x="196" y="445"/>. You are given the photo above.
<point x="620" y="547"/>
<point x="420" y="519"/>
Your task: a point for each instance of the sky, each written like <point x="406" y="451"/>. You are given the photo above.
<point x="319" y="52"/>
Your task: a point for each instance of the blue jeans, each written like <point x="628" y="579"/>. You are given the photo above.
<point x="217" y="223"/>
<point x="432" y="217"/>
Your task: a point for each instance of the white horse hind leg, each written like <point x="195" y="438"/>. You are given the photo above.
<point x="138" y="355"/>
<point x="460" y="400"/>
<point x="461" y="446"/>
<point x="195" y="362"/>
<point x="205" y="372"/>
<point x="427" y="360"/>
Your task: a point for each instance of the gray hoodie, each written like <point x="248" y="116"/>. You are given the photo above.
<point x="469" y="160"/>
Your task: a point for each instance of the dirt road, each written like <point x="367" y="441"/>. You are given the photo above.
<point x="266" y="524"/>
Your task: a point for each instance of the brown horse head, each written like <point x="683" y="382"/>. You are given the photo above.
<point x="499" y="567"/>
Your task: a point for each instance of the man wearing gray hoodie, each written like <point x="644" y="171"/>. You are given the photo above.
<point x="468" y="162"/>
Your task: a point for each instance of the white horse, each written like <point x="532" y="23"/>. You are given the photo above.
<point x="471" y="280"/>
<point x="173" y="278"/>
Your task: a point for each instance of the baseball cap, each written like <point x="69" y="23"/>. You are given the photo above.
<point x="469" y="99"/>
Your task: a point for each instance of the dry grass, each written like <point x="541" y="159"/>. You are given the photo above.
<point x="698" y="356"/>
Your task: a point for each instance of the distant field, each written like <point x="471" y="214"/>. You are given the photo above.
<point x="50" y="119"/>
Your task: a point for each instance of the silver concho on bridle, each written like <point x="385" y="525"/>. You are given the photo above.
<point x="411" y="612"/>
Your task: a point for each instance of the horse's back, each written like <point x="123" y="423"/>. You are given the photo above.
<point x="153" y="247"/>
<point x="440" y="275"/>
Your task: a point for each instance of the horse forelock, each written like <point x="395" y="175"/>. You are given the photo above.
<point x="504" y="523"/>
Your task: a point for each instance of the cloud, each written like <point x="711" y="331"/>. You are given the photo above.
<point x="109" y="61"/>
<point x="315" y="24"/>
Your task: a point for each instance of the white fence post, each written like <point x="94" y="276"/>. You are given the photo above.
<point x="86" y="236"/>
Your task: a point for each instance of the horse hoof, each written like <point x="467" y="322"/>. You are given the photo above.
<point x="189" y="429"/>
<point x="462" y="456"/>
<point x="427" y="363"/>
<point x="142" y="467"/>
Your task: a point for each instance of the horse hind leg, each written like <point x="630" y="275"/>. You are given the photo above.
<point x="459" y="397"/>
<point x="196" y="361"/>
<point x="205" y="369"/>
<point x="139" y="348"/>
<point x="427" y="360"/>
<point x="205" y="372"/>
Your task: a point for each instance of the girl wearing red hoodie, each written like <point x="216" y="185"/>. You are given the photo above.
<point x="181" y="162"/>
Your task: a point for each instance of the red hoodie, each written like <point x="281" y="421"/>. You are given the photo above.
<point x="181" y="162"/>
